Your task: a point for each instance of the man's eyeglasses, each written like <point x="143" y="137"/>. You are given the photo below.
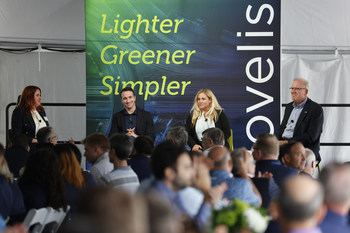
<point x="297" y="88"/>
<point x="54" y="138"/>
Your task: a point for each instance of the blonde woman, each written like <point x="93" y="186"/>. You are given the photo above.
<point x="205" y="113"/>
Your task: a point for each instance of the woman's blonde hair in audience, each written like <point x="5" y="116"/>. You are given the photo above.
<point x="214" y="110"/>
<point x="4" y="168"/>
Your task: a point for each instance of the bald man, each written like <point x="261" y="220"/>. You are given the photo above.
<point x="221" y="172"/>
<point x="299" y="209"/>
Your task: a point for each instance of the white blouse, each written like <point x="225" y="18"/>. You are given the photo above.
<point x="202" y="124"/>
<point x="38" y="120"/>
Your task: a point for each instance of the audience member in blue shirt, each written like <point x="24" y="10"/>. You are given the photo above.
<point x="265" y="153"/>
<point x="173" y="170"/>
<point x="335" y="179"/>
<point x="238" y="188"/>
<point x="140" y="162"/>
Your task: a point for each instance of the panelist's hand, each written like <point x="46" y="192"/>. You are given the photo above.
<point x="131" y="132"/>
<point x="282" y="142"/>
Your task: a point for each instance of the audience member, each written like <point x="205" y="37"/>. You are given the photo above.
<point x="221" y="173"/>
<point x="310" y="163"/>
<point x="178" y="135"/>
<point x="42" y="184"/>
<point x="122" y="177"/>
<point x="335" y="178"/>
<point x="161" y="217"/>
<point x="11" y="200"/>
<point x="299" y="209"/>
<point x="106" y="210"/>
<point x="140" y="162"/>
<point x="96" y="152"/>
<point x="17" y="155"/>
<point x="76" y="180"/>
<point x="212" y="137"/>
<point x="265" y="153"/>
<point x="46" y="135"/>
<point x="266" y="186"/>
<point x="172" y="168"/>
<point x="294" y="155"/>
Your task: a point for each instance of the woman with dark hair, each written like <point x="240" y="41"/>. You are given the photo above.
<point x="29" y="115"/>
<point x="42" y="184"/>
<point x="75" y="179"/>
<point x="205" y="113"/>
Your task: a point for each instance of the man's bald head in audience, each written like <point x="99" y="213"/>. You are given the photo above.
<point x="221" y="158"/>
<point x="300" y="203"/>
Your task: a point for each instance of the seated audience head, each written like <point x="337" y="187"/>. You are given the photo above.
<point x="213" y="137"/>
<point x="335" y="178"/>
<point x="121" y="147"/>
<point x="4" y="169"/>
<point x="47" y="135"/>
<point x="161" y="217"/>
<point x="20" y="140"/>
<point x="144" y="145"/>
<point x="95" y="145"/>
<point x="299" y="207"/>
<point x="107" y="210"/>
<point x="266" y="147"/>
<point x="310" y="164"/>
<point x="44" y="169"/>
<point x="294" y="155"/>
<point x="70" y="167"/>
<point x="238" y="155"/>
<point x="221" y="158"/>
<point x="172" y="164"/>
<point x="178" y="135"/>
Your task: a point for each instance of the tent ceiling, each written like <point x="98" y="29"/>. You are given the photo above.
<point x="305" y="24"/>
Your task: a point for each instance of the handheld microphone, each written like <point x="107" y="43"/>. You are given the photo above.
<point x="206" y="119"/>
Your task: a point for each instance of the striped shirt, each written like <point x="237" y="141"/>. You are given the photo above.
<point x="122" y="178"/>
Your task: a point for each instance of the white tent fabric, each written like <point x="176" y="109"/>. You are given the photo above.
<point x="46" y="21"/>
<point x="311" y="25"/>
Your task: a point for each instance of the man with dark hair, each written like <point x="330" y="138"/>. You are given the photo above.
<point x="335" y="179"/>
<point x="140" y="162"/>
<point x="178" y="135"/>
<point x="96" y="152"/>
<point x="265" y="153"/>
<point x="294" y="155"/>
<point x="303" y="119"/>
<point x="17" y="155"/>
<point x="132" y="120"/>
<point x="46" y="135"/>
<point x="173" y="170"/>
<point x="122" y="177"/>
<point x="212" y="138"/>
<point x="300" y="209"/>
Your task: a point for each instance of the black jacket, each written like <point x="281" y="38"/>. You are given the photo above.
<point x="222" y="123"/>
<point x="308" y="128"/>
<point x="23" y="123"/>
<point x="144" y="123"/>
